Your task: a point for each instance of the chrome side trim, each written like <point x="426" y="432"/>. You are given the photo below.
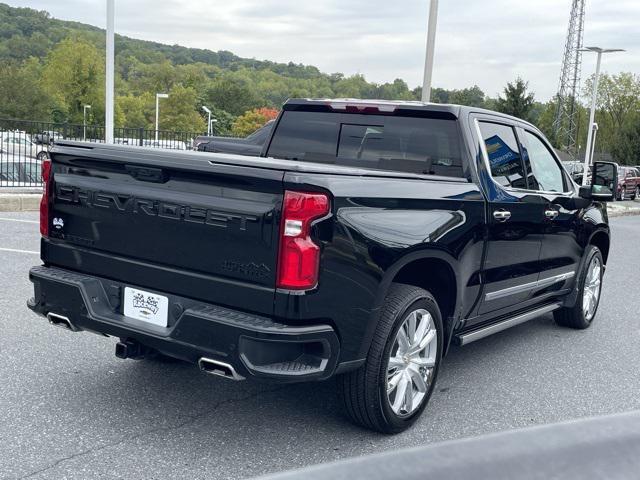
<point x="510" y="291"/>
<point x="467" y="338"/>
<point x="563" y="277"/>
<point x="545" y="282"/>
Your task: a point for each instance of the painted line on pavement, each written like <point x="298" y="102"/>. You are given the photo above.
<point x="13" y="250"/>
<point x="18" y="220"/>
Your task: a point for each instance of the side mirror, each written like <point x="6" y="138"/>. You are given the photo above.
<point x="603" y="182"/>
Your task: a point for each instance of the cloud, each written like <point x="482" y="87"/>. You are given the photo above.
<point x="486" y="43"/>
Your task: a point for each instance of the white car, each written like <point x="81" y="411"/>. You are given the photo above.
<point x="166" y="144"/>
<point x="20" y="174"/>
<point x="16" y="146"/>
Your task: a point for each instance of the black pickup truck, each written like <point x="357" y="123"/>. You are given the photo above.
<point x="364" y="240"/>
<point x="250" y="145"/>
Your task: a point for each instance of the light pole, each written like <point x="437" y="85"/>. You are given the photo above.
<point x="158" y="97"/>
<point x="84" y="115"/>
<point x="593" y="143"/>
<point x="592" y="117"/>
<point x="431" y="46"/>
<point x="208" y="122"/>
<point x="211" y="123"/>
<point x="109" y="91"/>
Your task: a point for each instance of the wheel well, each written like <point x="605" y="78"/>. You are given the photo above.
<point x="601" y="240"/>
<point x="439" y="279"/>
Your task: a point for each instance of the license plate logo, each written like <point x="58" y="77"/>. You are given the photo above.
<point x="146" y="306"/>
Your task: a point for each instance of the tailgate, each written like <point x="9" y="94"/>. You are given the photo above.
<point x="208" y="233"/>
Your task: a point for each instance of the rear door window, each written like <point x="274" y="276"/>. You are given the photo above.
<point x="425" y="146"/>
<point x="505" y="160"/>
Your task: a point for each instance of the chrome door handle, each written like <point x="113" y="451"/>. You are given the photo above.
<point x="501" y="215"/>
<point x="551" y="214"/>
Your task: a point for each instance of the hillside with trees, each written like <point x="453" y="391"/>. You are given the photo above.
<point x="50" y="68"/>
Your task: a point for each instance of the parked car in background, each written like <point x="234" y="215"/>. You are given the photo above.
<point x="628" y="183"/>
<point x="26" y="173"/>
<point x="251" y="145"/>
<point x="47" y="137"/>
<point x="576" y="170"/>
<point x="166" y="144"/>
<point x="15" y="145"/>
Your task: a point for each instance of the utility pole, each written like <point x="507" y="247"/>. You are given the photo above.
<point x="109" y="91"/>
<point x="158" y="97"/>
<point x="208" y="111"/>
<point x="431" y="47"/>
<point x="84" y="116"/>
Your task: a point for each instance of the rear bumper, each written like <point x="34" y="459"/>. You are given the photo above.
<point x="254" y="346"/>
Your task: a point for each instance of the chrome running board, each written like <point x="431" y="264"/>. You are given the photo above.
<point x="467" y="338"/>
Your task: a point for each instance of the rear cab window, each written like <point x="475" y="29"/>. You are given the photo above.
<point x="419" y="145"/>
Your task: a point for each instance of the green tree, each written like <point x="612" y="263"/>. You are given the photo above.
<point x="618" y="96"/>
<point x="617" y="105"/>
<point x="626" y="147"/>
<point x="252" y="121"/>
<point x="22" y="94"/>
<point x="178" y="112"/>
<point x="517" y="100"/>
<point x="74" y="76"/>
<point x="471" y="97"/>
<point x="136" y="110"/>
<point x="231" y="95"/>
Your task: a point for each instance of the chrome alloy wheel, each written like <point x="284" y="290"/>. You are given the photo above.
<point x="592" y="285"/>
<point x="412" y="362"/>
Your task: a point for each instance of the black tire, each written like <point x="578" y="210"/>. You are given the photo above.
<point x="363" y="391"/>
<point x="636" y="193"/>
<point x="574" y="317"/>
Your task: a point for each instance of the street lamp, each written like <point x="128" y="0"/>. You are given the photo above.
<point x="590" y="137"/>
<point x="84" y="115"/>
<point x="209" y="122"/>
<point x="158" y="97"/>
<point x="109" y="73"/>
<point x="593" y="144"/>
<point x="431" y="46"/>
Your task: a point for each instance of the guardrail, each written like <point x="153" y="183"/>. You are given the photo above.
<point x="24" y="144"/>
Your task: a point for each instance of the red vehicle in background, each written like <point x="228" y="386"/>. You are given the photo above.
<point x="628" y="183"/>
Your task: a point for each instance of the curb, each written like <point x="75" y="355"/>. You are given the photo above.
<point x="20" y="202"/>
<point x="622" y="212"/>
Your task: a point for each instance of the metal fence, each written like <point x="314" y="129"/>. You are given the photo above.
<point x="24" y="144"/>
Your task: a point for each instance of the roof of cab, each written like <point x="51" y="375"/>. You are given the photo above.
<point x="392" y="105"/>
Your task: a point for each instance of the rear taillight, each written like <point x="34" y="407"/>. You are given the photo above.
<point x="44" y="202"/>
<point x="299" y="257"/>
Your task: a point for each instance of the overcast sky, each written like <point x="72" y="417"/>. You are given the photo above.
<point x="483" y="42"/>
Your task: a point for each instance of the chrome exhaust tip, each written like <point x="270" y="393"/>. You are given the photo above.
<point x="221" y="369"/>
<point x="61" y="321"/>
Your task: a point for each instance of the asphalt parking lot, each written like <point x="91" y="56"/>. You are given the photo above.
<point x="71" y="409"/>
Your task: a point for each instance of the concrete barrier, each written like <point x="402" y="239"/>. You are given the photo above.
<point x="20" y="200"/>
